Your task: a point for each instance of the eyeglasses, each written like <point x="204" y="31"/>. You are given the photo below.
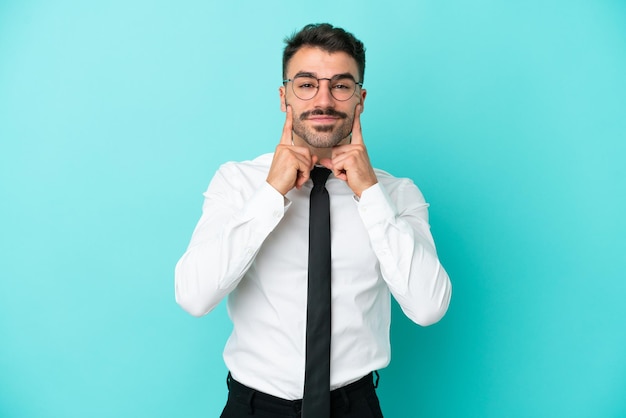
<point x="341" y="87"/>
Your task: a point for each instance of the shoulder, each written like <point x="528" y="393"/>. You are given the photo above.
<point x="249" y="170"/>
<point x="259" y="164"/>
<point x="399" y="189"/>
<point x="240" y="175"/>
<point x="391" y="182"/>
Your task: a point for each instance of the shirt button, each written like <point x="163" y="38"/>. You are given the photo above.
<point x="277" y="214"/>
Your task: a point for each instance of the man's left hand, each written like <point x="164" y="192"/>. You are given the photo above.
<point x="350" y="162"/>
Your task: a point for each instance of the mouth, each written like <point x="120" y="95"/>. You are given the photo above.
<point x="322" y="119"/>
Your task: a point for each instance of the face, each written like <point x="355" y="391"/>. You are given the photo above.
<point x="323" y="121"/>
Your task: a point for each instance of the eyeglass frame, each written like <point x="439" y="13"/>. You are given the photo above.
<point x="335" y="77"/>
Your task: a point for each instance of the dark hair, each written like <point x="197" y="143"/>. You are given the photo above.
<point x="329" y="39"/>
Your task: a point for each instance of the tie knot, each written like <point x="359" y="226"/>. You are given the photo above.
<point x="319" y="175"/>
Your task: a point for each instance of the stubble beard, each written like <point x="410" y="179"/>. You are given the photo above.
<point x="322" y="136"/>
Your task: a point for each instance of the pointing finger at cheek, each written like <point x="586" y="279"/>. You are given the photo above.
<point x="357" y="136"/>
<point x="285" y="139"/>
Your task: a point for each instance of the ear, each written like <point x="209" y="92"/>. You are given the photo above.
<point x="362" y="97"/>
<point x="283" y="98"/>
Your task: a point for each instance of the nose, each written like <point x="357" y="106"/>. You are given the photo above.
<point x="323" y="98"/>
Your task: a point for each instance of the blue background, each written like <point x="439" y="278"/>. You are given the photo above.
<point x="510" y="116"/>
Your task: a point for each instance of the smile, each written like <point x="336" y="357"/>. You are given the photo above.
<point x="322" y="119"/>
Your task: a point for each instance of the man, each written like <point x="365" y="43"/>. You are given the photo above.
<point x="252" y="243"/>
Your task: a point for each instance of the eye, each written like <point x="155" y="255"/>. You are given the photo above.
<point x="343" y="84"/>
<point x="306" y="83"/>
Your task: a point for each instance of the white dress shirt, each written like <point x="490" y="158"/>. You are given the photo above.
<point x="251" y="244"/>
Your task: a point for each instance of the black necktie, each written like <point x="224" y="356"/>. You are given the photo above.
<point x="316" y="402"/>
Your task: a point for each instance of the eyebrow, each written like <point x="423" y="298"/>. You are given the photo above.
<point x="335" y="77"/>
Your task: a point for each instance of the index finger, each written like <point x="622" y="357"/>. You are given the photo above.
<point x="357" y="136"/>
<point x="286" y="138"/>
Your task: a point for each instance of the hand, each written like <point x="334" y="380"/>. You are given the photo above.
<point x="292" y="165"/>
<point x="350" y="162"/>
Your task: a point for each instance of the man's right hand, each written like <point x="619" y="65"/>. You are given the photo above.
<point x="292" y="165"/>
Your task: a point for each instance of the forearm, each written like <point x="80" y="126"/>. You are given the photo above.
<point x="222" y="248"/>
<point x="407" y="256"/>
<point x="413" y="273"/>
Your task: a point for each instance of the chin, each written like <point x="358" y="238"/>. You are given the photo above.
<point x="324" y="139"/>
<point x="323" y="143"/>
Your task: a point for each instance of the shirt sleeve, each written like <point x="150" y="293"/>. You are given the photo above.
<point x="400" y="237"/>
<point x="234" y="223"/>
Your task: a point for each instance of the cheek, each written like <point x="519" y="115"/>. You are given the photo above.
<point x="297" y="111"/>
<point x="290" y="98"/>
<point x="298" y="126"/>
